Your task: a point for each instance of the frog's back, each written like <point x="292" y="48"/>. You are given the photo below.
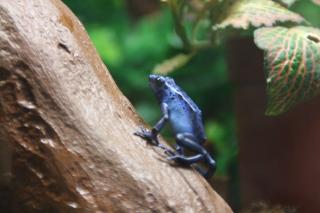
<point x="185" y="116"/>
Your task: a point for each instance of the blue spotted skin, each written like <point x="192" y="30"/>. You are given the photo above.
<point x="185" y="119"/>
<point x="184" y="114"/>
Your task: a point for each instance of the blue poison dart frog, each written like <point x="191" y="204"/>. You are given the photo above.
<point x="185" y="119"/>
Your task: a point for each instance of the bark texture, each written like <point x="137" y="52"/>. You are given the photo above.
<point x="69" y="128"/>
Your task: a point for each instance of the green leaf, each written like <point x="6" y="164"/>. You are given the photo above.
<point x="172" y="64"/>
<point x="292" y="59"/>
<point x="243" y="13"/>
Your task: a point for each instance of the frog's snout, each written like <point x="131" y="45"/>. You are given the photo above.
<point x="153" y="77"/>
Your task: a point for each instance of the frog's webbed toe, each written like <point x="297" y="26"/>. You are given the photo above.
<point x="152" y="139"/>
<point x="148" y="136"/>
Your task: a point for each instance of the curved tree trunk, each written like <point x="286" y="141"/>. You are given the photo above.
<point x="70" y="128"/>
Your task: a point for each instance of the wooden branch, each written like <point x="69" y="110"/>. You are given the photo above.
<point x="70" y="128"/>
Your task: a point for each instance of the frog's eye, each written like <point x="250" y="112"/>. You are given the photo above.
<point x="159" y="82"/>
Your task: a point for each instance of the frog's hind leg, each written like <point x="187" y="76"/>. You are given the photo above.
<point x="179" y="150"/>
<point x="186" y="141"/>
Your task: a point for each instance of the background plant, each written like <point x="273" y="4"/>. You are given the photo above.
<point x="291" y="45"/>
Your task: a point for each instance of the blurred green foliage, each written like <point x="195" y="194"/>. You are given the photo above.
<point x="132" y="47"/>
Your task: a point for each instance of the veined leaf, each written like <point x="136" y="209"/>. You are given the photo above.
<point x="171" y="64"/>
<point x="316" y="2"/>
<point x="292" y="59"/>
<point x="243" y="13"/>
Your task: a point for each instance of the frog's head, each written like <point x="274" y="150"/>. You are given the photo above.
<point x="160" y="83"/>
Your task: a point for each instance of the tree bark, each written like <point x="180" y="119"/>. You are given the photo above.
<point x="70" y="129"/>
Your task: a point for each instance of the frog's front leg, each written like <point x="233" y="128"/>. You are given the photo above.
<point x="186" y="141"/>
<point x="152" y="135"/>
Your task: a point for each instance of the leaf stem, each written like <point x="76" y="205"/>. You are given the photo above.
<point x="177" y="13"/>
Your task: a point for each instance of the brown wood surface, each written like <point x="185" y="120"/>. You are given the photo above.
<point x="70" y="129"/>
